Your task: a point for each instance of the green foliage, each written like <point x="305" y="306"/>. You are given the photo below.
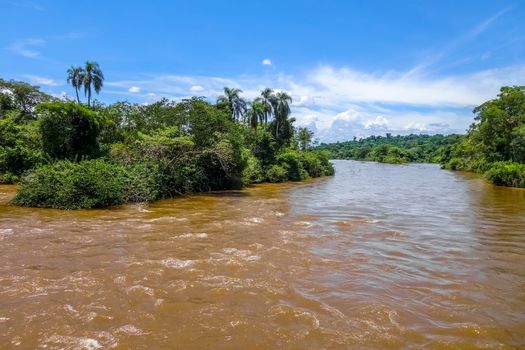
<point x="68" y="185"/>
<point x="69" y="130"/>
<point x="507" y="174"/>
<point x="393" y="149"/>
<point x="498" y="122"/>
<point x="293" y="165"/>
<point x="92" y="78"/>
<point x="277" y="173"/>
<point x="290" y="160"/>
<point x="8" y="178"/>
<point x="128" y="152"/>
<point x="517" y="144"/>
<point x="264" y="147"/>
<point x="21" y="96"/>
<point x="304" y="138"/>
<point x="19" y="148"/>
<point x="142" y="182"/>
<point x="495" y="143"/>
<point x="253" y="172"/>
<point x="316" y="163"/>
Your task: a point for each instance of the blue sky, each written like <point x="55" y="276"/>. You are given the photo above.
<point x="353" y="68"/>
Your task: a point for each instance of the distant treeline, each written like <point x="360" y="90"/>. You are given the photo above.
<point x="493" y="146"/>
<point x="394" y="149"/>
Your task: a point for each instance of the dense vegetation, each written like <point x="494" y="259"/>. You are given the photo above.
<point x="493" y="146"/>
<point x="394" y="149"/>
<point x="495" y="142"/>
<point x="68" y="155"/>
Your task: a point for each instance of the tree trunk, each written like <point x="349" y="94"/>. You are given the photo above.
<point x="76" y="92"/>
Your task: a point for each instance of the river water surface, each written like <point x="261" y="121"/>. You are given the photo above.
<point x="378" y="256"/>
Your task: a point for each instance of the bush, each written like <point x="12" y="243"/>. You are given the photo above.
<point x="291" y="161"/>
<point x="142" y="183"/>
<point x="276" y="173"/>
<point x="69" y="130"/>
<point x="68" y="185"/>
<point x="19" y="149"/>
<point x="8" y="178"/>
<point x="456" y="164"/>
<point x="253" y="172"/>
<point x="316" y="163"/>
<point x="507" y="174"/>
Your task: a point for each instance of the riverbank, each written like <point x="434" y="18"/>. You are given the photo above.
<point x="68" y="155"/>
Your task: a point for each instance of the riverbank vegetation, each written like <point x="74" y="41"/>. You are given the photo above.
<point x="69" y="155"/>
<point x="393" y="149"/>
<point x="495" y="142"/>
<point x="493" y="146"/>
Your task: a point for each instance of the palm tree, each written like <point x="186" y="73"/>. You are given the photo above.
<point x="75" y="76"/>
<point x="236" y="103"/>
<point x="267" y="98"/>
<point x="93" y="76"/>
<point x="255" y="114"/>
<point x="281" y="108"/>
<point x="304" y="136"/>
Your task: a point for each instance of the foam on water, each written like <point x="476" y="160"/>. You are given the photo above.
<point x="177" y="263"/>
<point x="199" y="235"/>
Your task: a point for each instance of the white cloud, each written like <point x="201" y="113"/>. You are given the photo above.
<point x="37" y="80"/>
<point x="134" y="89"/>
<point x="266" y="62"/>
<point x="196" y="88"/>
<point x="27" y="47"/>
<point x="341" y="102"/>
<point x="378" y="122"/>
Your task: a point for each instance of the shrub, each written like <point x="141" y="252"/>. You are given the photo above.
<point x="68" y="185"/>
<point x="291" y="161"/>
<point x="19" y="149"/>
<point x="142" y="183"/>
<point x="316" y="163"/>
<point x="457" y="164"/>
<point x="69" y="130"/>
<point x="8" y="178"/>
<point x="507" y="174"/>
<point x="276" y="173"/>
<point x="253" y="172"/>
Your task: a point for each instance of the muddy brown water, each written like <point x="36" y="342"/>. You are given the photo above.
<point x="379" y="256"/>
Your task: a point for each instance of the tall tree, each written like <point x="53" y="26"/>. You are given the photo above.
<point x="267" y="99"/>
<point x="233" y="100"/>
<point x="281" y="108"/>
<point x="93" y="78"/>
<point x="304" y="137"/>
<point x="75" y="77"/>
<point x="255" y="114"/>
<point x="21" y="96"/>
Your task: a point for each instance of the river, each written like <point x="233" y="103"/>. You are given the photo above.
<point x="378" y="256"/>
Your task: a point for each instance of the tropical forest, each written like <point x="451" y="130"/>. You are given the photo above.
<point x="494" y="145"/>
<point x="72" y="154"/>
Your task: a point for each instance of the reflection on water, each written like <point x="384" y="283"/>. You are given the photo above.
<point x="378" y="256"/>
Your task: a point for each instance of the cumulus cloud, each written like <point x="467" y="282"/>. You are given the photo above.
<point x="134" y="89"/>
<point x="378" y="122"/>
<point x="341" y="102"/>
<point x="266" y="62"/>
<point x="196" y="88"/>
